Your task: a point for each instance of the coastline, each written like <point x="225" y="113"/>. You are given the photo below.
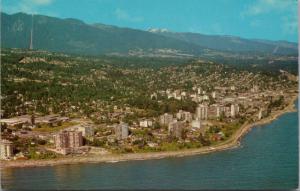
<point x="232" y="142"/>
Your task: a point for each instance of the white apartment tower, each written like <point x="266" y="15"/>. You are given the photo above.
<point x="121" y="131"/>
<point x="201" y="111"/>
<point x="234" y="110"/>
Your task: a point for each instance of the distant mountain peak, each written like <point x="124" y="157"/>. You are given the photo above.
<point x="158" y="30"/>
<point x="103" y="26"/>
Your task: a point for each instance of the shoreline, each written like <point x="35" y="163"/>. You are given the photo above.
<point x="232" y="142"/>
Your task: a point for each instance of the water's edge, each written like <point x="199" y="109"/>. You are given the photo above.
<point x="266" y="159"/>
<point x="231" y="143"/>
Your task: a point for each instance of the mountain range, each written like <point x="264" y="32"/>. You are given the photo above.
<point x="75" y="36"/>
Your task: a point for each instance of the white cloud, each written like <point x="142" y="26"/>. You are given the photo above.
<point x="288" y="9"/>
<point x="123" y="15"/>
<point x="266" y="6"/>
<point x="27" y="6"/>
<point x="290" y="22"/>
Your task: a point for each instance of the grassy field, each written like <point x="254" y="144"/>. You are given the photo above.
<point x="47" y="128"/>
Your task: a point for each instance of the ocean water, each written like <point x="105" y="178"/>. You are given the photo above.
<point x="267" y="159"/>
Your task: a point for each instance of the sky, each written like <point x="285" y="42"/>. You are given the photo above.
<point x="255" y="19"/>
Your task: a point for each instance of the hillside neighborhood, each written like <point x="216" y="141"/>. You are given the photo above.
<point x="137" y="109"/>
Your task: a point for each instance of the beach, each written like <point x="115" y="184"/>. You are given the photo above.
<point x="232" y="142"/>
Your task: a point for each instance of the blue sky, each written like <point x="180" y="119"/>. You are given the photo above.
<point x="263" y="19"/>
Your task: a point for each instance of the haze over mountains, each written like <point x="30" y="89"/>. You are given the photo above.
<point x="75" y="36"/>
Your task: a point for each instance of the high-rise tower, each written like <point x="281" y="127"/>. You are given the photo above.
<point x="31" y="34"/>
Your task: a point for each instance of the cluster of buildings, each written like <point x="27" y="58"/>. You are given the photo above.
<point x="67" y="141"/>
<point x="177" y="94"/>
<point x="85" y="128"/>
<point x="221" y="103"/>
<point x="32" y="121"/>
<point x="203" y="113"/>
<point x="184" y="115"/>
<point x="70" y="140"/>
<point x="146" y="123"/>
<point x="214" y="105"/>
<point x="19" y="121"/>
<point x="198" y="95"/>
